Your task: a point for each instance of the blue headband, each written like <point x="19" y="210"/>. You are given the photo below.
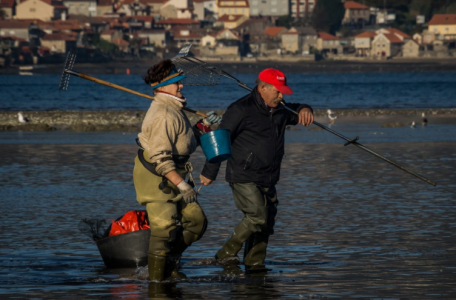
<point x="173" y="77"/>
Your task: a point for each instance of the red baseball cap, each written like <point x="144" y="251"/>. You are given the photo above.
<point x="277" y="79"/>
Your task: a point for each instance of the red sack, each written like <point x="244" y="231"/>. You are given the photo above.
<point x="132" y="221"/>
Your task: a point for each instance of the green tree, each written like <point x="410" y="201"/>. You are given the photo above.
<point x="327" y="15"/>
<point x="285" y="21"/>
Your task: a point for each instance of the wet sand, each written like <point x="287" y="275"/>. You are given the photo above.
<point x="129" y="120"/>
<point x="349" y="225"/>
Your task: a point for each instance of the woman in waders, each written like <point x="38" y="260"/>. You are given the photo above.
<point x="166" y="141"/>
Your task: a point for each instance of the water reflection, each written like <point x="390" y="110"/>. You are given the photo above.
<point x="349" y="226"/>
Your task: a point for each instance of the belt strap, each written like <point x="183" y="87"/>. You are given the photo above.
<point x="146" y="164"/>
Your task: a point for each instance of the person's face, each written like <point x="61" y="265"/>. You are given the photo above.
<point x="173" y="89"/>
<point x="271" y="95"/>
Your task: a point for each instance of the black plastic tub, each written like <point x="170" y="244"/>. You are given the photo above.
<point x="128" y="250"/>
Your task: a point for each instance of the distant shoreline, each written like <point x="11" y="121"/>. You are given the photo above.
<point x="248" y="67"/>
<point x="130" y="120"/>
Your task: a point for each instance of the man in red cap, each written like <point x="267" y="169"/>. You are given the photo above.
<point x="257" y="125"/>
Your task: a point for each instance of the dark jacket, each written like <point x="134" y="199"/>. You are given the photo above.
<point x="257" y="140"/>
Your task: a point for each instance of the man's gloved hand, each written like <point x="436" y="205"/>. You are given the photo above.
<point x="187" y="192"/>
<point x="212" y="118"/>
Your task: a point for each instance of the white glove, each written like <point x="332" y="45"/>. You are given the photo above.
<point x="187" y="192"/>
<point x="212" y="118"/>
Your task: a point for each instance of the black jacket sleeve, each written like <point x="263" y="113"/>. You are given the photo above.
<point x="293" y="118"/>
<point x="233" y="120"/>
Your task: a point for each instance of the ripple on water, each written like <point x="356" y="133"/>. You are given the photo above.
<point x="348" y="226"/>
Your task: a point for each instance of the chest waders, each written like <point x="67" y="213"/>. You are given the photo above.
<point x="174" y="224"/>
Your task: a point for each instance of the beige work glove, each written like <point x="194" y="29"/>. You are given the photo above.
<point x="188" y="194"/>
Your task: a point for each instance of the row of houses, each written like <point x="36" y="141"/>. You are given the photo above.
<point x="196" y="9"/>
<point x="253" y="36"/>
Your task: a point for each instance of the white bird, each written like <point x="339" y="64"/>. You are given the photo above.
<point x="21" y="118"/>
<point x="412" y="125"/>
<point x="424" y="121"/>
<point x="331" y="115"/>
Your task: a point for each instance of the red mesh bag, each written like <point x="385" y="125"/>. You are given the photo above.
<point x="132" y="221"/>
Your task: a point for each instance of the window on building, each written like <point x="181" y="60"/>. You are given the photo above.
<point x="32" y="9"/>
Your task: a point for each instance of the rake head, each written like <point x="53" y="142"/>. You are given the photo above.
<point x="197" y="72"/>
<point x="65" y="79"/>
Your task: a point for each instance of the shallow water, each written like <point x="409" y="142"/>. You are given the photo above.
<point x="349" y="225"/>
<point x="360" y="90"/>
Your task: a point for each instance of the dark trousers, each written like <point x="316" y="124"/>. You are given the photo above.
<point x="259" y="205"/>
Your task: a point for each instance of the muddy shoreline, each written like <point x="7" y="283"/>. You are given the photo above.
<point x="328" y="66"/>
<point x="130" y="120"/>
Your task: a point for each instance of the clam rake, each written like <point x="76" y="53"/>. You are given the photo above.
<point x="68" y="71"/>
<point x="200" y="73"/>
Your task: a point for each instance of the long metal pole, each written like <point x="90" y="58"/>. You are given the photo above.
<point x="354" y="142"/>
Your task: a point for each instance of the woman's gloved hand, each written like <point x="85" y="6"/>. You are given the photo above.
<point x="212" y="118"/>
<point x="187" y="192"/>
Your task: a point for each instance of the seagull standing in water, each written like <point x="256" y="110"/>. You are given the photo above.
<point x="331" y="116"/>
<point x="412" y="125"/>
<point x="21" y="118"/>
<point x="424" y="121"/>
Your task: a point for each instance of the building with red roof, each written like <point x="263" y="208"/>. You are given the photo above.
<point x="157" y="37"/>
<point x="176" y="9"/>
<point x="363" y="43"/>
<point x="45" y="10"/>
<point x="16" y="28"/>
<point x="169" y="23"/>
<point x="443" y="25"/>
<point x="328" y="43"/>
<point x="386" y="45"/>
<point x="231" y="21"/>
<point x="275" y="32"/>
<point x="401" y="35"/>
<point x="239" y="7"/>
<point x="355" y="13"/>
<point x="203" y="9"/>
<point x="183" y="37"/>
<point x="299" y="39"/>
<point x="104" y="7"/>
<point x="81" y="7"/>
<point x="59" y="42"/>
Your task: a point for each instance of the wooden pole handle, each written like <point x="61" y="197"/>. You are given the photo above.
<point x="87" y="77"/>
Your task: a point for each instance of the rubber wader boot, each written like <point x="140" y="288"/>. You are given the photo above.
<point x="255" y="253"/>
<point x="234" y="243"/>
<point x="172" y="267"/>
<point x="156" y="265"/>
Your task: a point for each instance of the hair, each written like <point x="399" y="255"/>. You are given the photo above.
<point x="159" y="71"/>
<point x="259" y="82"/>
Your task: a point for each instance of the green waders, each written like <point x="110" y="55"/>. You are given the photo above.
<point x="259" y="205"/>
<point x="174" y="224"/>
